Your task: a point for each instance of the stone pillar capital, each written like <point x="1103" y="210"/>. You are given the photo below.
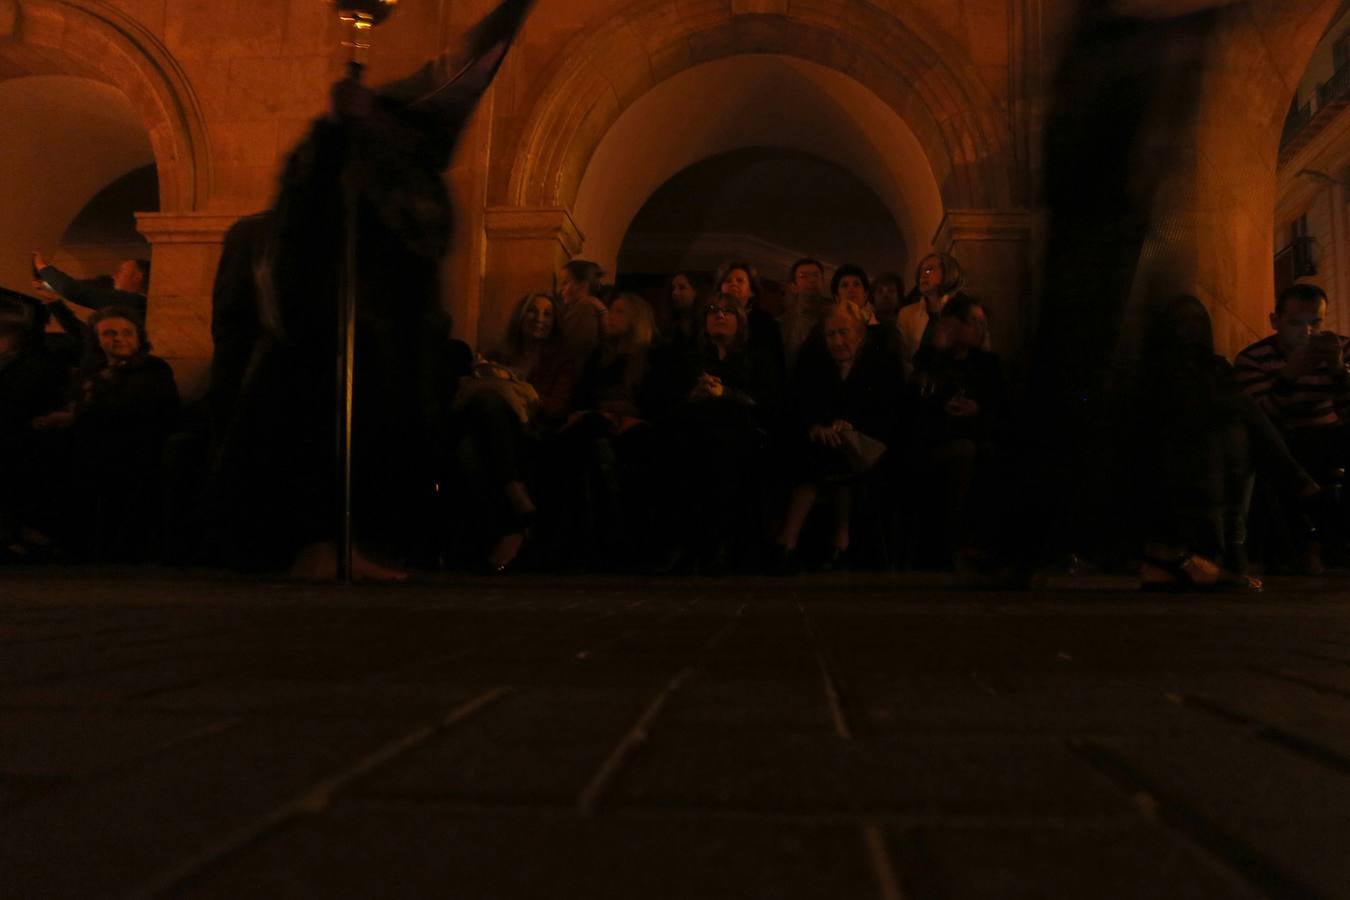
<point x="185" y="227"/>
<point x="533" y="223"/>
<point x="983" y="225"/>
<point x="996" y="249"/>
<point x="185" y="248"/>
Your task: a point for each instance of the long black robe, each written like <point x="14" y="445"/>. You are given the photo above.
<point x="274" y="395"/>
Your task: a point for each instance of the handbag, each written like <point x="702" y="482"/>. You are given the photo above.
<point x="863" y="451"/>
<point x="491" y="377"/>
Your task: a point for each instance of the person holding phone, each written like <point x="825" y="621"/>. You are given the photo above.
<point x="127" y="287"/>
<point x="1298" y="377"/>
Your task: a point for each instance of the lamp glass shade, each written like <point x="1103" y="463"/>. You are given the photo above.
<point x="364" y="14"/>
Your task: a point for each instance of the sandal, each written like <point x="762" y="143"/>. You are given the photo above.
<point x="1181" y="580"/>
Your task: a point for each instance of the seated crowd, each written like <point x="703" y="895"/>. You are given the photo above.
<point x="702" y="433"/>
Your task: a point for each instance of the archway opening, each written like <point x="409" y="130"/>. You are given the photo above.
<point x="767" y="205"/>
<point x="742" y="102"/>
<point x="79" y="164"/>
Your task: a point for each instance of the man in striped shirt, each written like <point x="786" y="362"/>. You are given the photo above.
<point x="1298" y="376"/>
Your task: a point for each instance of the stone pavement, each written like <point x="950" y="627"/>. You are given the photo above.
<point x="195" y="735"/>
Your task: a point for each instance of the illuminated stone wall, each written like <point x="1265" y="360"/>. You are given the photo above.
<point x="935" y="105"/>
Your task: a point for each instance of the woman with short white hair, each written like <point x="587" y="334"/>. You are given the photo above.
<point x="845" y="408"/>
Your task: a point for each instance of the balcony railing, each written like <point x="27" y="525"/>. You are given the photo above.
<point x="1335" y="88"/>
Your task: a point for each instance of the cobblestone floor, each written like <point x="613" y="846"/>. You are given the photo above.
<point x="189" y="735"/>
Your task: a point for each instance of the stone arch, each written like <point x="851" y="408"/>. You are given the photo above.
<point x="913" y="67"/>
<point x="755" y="100"/>
<point x="95" y="40"/>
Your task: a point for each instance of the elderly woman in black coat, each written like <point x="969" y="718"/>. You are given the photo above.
<point x="844" y="408"/>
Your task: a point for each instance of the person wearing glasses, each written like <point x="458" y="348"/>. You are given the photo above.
<point x="110" y="437"/>
<point x="937" y="279"/>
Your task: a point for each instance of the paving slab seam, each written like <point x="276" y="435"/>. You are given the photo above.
<point x="1272" y="734"/>
<point x="590" y="795"/>
<point x="1309" y="683"/>
<point x="873" y="838"/>
<point x="311" y="802"/>
<point x="423" y="801"/>
<point x="1318" y="657"/>
<point x="589" y="798"/>
<point x="1238" y="861"/>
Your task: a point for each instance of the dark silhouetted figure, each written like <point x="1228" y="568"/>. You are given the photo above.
<point x="1199" y="439"/>
<point x="274" y="488"/>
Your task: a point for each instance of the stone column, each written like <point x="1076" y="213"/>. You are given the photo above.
<point x="185" y="248"/>
<point x="995" y="248"/>
<point x="525" y="248"/>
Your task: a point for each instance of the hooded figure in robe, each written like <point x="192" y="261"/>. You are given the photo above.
<point x="272" y="497"/>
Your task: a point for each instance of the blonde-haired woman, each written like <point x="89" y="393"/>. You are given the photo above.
<point x="606" y="445"/>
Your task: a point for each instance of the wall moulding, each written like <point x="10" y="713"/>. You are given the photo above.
<point x="984" y="225"/>
<point x="185" y="227"/>
<point x="102" y="42"/>
<point x="505" y="223"/>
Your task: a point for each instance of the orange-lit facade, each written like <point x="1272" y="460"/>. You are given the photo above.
<point x="936" y="107"/>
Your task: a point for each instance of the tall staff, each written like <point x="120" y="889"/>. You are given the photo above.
<point x="361" y="16"/>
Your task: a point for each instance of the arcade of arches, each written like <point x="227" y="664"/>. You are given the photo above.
<point x="937" y="109"/>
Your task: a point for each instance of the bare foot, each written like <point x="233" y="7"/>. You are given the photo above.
<point x="318" y="562"/>
<point x="506" y="549"/>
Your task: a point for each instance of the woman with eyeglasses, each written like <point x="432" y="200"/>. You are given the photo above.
<point x="713" y="411"/>
<point x="937" y="279"/>
<point x="123" y="407"/>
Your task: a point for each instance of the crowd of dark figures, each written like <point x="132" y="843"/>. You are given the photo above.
<point x="701" y="428"/>
<point x="694" y="432"/>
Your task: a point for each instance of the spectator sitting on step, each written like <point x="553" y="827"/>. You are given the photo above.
<point x="713" y="411"/>
<point x="111" y="437"/>
<point x="851" y="284"/>
<point x="1199" y="439"/>
<point x="739" y="281"/>
<point x="579" y="284"/>
<point x="1300" y="379"/>
<point x="958" y="394"/>
<point x="845" y="409"/>
<point x="31" y="384"/>
<point x="937" y="279"/>
<point x="887" y="290"/>
<point x="506" y="405"/>
<point x="678" y="330"/>
<point x="808" y="302"/>
<point x="606" y="446"/>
